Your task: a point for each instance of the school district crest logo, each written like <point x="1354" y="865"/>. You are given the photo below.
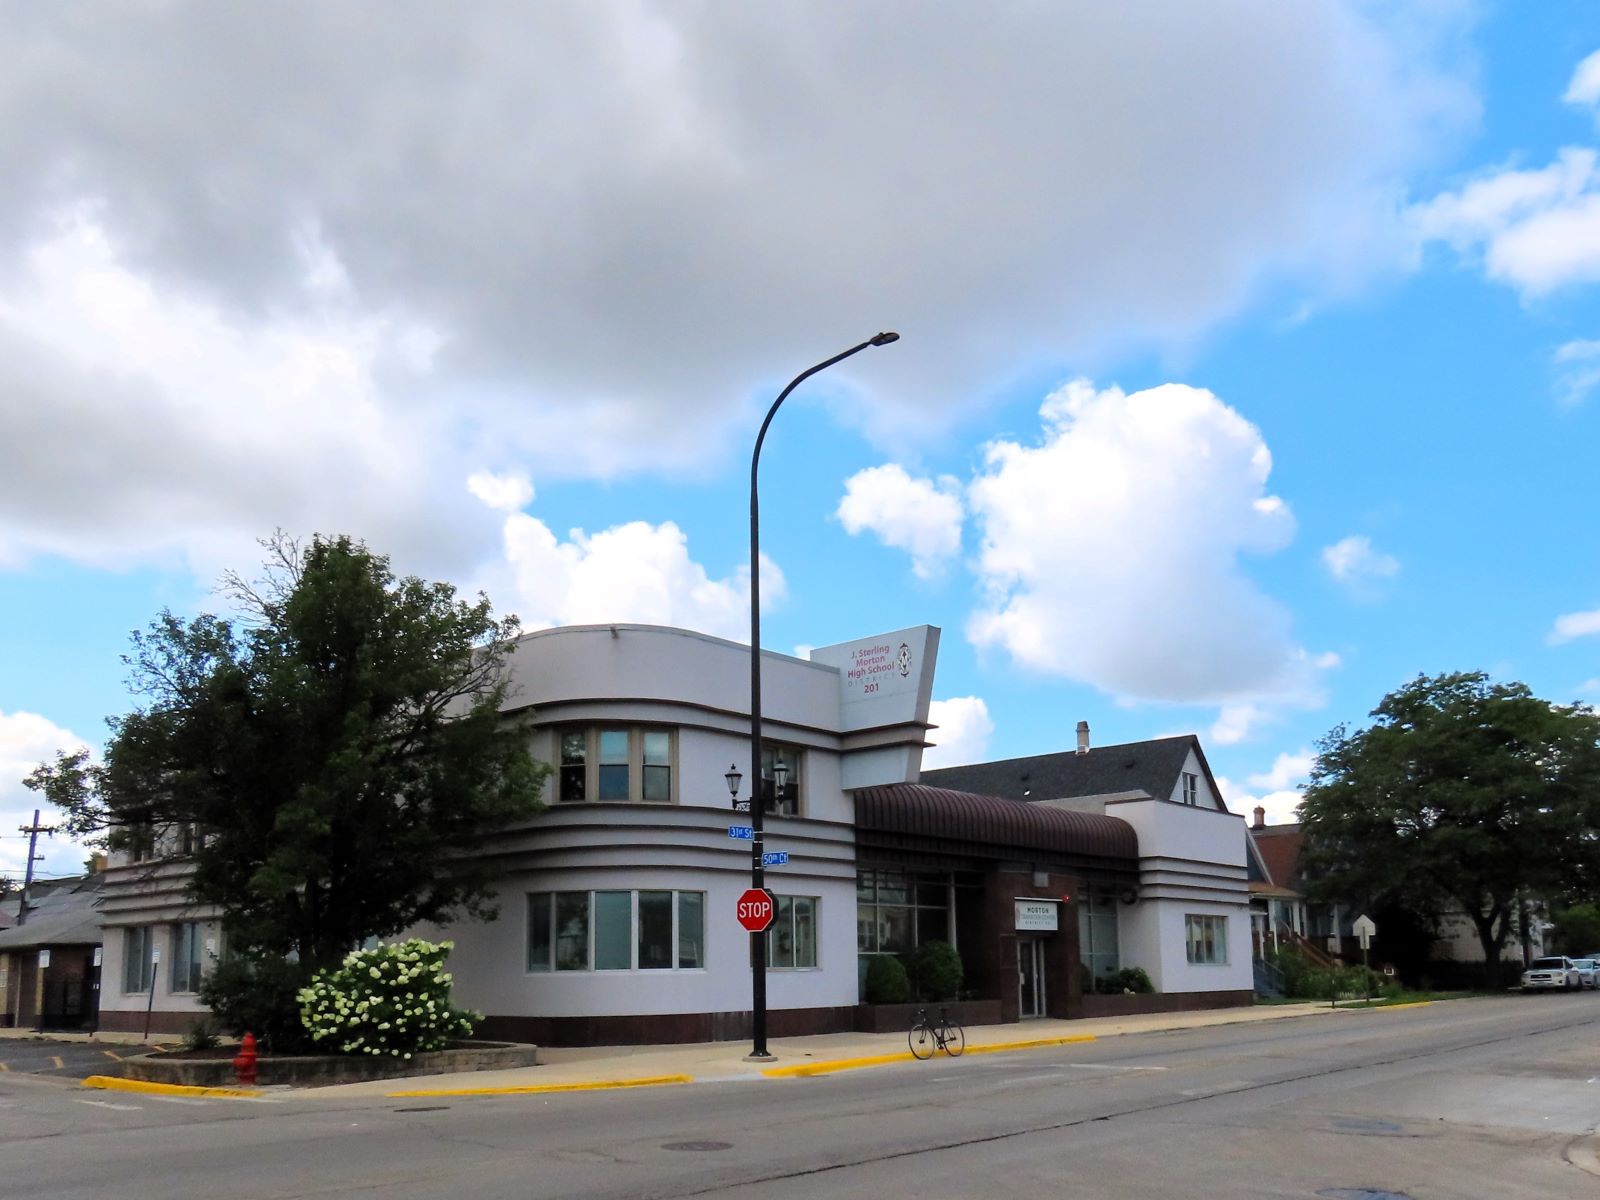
<point x="903" y="660"/>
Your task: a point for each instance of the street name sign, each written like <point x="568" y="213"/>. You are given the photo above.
<point x="775" y="858"/>
<point x="742" y="832"/>
<point x="755" y="909"/>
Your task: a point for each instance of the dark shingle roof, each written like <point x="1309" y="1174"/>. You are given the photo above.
<point x="64" y="916"/>
<point x="1152" y="767"/>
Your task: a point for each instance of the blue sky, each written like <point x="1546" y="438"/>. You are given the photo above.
<point x="1250" y="363"/>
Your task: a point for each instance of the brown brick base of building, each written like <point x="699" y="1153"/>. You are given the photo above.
<point x="1160" y="1002"/>
<point x="665" y="1028"/>
<point x="132" y="1021"/>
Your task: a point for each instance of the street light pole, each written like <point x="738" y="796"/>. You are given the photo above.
<point x="758" y="946"/>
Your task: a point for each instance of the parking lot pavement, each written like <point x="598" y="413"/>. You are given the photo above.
<point x="62" y="1059"/>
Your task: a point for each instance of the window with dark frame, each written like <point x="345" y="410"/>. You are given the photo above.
<point x="615" y="763"/>
<point x="138" y="972"/>
<point x="188" y="964"/>
<point x="792" y="936"/>
<point x="615" y="930"/>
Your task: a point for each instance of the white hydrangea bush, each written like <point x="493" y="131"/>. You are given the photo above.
<point x="390" y="1000"/>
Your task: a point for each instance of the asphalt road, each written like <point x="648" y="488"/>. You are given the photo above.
<point x="1476" y="1099"/>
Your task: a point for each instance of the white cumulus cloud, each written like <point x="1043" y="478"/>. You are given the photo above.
<point x="1282" y="806"/>
<point x="1112" y="551"/>
<point x="919" y="516"/>
<point x="26" y="740"/>
<point x="636" y="572"/>
<point x="1287" y="771"/>
<point x="1354" y="562"/>
<point x="1574" y="625"/>
<point x="1577" y="370"/>
<point x="506" y="493"/>
<point x="1584" y="87"/>
<point x="584" y="236"/>
<point x="963" y="733"/>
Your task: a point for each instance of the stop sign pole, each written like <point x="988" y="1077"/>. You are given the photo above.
<point x="758" y="945"/>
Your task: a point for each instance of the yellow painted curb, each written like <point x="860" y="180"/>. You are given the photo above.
<point x="802" y="1070"/>
<point x="1410" y="1004"/>
<point x="597" y="1085"/>
<point x="112" y="1084"/>
<point x="835" y="1064"/>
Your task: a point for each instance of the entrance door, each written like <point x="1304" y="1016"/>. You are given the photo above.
<point x="1030" y="977"/>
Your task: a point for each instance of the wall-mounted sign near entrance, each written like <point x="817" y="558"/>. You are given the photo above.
<point x="1037" y="916"/>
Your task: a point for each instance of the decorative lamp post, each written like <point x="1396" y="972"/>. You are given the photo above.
<point x="758" y="947"/>
<point x="734" y="779"/>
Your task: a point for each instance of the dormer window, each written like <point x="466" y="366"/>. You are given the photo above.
<point x="1191" y="788"/>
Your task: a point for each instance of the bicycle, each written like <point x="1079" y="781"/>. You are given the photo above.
<point x="926" y="1037"/>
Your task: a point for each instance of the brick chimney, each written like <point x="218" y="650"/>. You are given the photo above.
<point x="97" y="863"/>
<point x="1083" y="737"/>
<point x="1261" y="818"/>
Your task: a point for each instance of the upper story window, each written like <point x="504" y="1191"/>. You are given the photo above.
<point x="1191" y="788"/>
<point x="784" y="801"/>
<point x="616" y="762"/>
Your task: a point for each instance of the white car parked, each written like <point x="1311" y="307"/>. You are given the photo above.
<point x="1556" y="972"/>
<point x="1588" y="971"/>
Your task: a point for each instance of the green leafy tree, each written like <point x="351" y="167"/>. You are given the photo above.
<point x="337" y="752"/>
<point x="1577" y="928"/>
<point x="1462" y="795"/>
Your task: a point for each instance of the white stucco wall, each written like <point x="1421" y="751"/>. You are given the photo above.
<point x="115" y="998"/>
<point x="490" y="967"/>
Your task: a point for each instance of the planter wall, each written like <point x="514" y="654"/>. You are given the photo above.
<point x="315" y="1070"/>
<point x="1160" y="1002"/>
<point x="896" y="1018"/>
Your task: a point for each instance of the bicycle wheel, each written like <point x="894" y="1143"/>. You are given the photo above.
<point x="921" y="1041"/>
<point x="953" y="1039"/>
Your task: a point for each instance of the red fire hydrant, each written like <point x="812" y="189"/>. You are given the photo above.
<point x="244" y="1062"/>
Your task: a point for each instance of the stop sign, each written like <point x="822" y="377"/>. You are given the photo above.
<point x="755" y="909"/>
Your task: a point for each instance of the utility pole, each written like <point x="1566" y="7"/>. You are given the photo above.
<point x="33" y="831"/>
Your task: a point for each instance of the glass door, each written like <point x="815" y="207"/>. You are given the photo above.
<point x="1030" y="977"/>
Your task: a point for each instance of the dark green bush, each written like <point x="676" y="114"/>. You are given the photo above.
<point x="887" y="982"/>
<point x="259" y="995"/>
<point x="936" y="967"/>
<point x="1129" y="979"/>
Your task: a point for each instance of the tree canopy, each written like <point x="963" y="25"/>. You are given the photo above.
<point x="1463" y="795"/>
<point x="326" y="759"/>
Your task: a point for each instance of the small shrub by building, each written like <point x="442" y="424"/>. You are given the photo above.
<point x="887" y="982"/>
<point x="936" y="968"/>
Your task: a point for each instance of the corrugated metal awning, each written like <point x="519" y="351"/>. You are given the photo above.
<point x="914" y="810"/>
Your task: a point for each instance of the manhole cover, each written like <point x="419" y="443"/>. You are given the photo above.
<point x="698" y="1146"/>
<point x="1367" y="1125"/>
<point x="425" y="1108"/>
<point x="1362" y="1194"/>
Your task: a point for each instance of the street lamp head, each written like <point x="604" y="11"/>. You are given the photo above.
<point x="780" y="774"/>
<point x="883" y="339"/>
<point x="734" y="779"/>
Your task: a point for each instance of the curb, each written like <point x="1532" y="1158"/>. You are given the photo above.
<point x="802" y="1070"/>
<point x="112" y="1084"/>
<point x="532" y="1089"/>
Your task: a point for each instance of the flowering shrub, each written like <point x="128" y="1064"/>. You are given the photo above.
<point x="391" y="1000"/>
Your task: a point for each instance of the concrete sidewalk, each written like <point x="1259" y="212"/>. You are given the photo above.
<point x="645" y="1066"/>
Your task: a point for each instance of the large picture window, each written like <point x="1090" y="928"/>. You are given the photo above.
<point x="615" y="763"/>
<point x="187" y="961"/>
<point x="138" y="972"/>
<point x="1097" y="935"/>
<point x="792" y="936"/>
<point x="1207" y="938"/>
<point x="616" y="931"/>
<point x="897" y="911"/>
